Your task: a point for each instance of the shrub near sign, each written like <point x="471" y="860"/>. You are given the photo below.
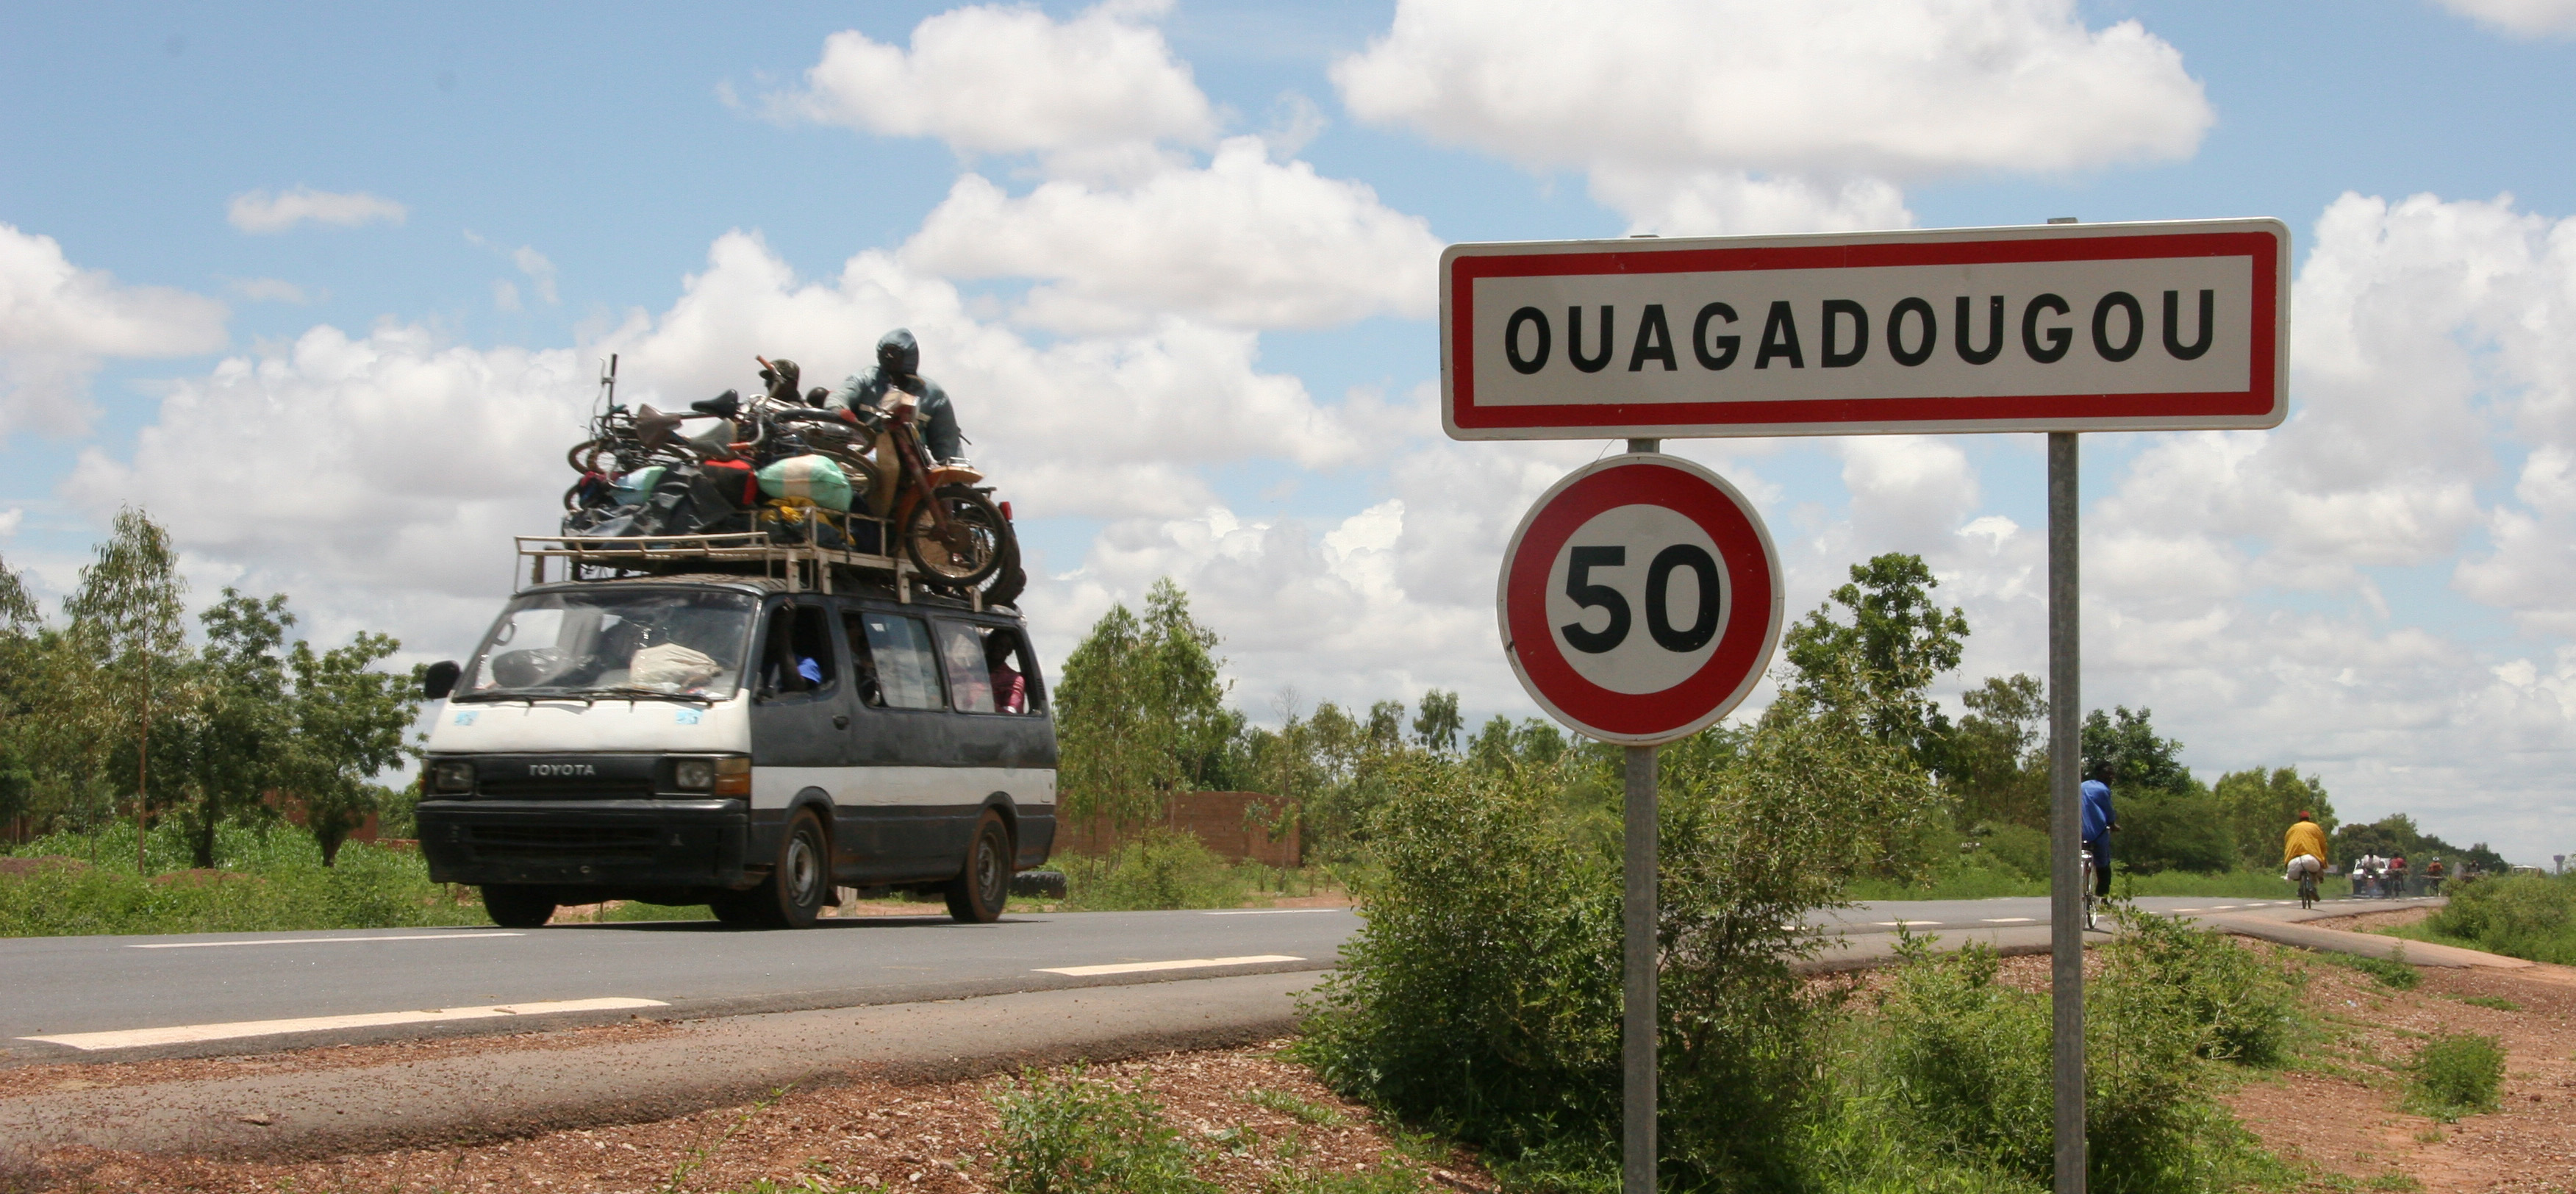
<point x="2065" y="327"/>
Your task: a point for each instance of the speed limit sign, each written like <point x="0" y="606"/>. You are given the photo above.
<point x="1640" y="599"/>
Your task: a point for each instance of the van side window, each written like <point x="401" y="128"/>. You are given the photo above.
<point x="798" y="654"/>
<point x="906" y="672"/>
<point x="987" y="669"/>
<point x="863" y="659"/>
<point x="970" y="685"/>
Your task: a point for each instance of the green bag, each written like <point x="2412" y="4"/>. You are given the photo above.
<point x="817" y="479"/>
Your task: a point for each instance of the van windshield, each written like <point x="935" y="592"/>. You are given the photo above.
<point x="684" y="643"/>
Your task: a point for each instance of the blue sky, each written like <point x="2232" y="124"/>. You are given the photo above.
<point x="350" y="412"/>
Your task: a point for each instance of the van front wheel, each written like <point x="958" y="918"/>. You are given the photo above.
<point x="977" y="894"/>
<point x="799" y="882"/>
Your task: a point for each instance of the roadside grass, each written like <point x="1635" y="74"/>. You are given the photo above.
<point x="1167" y="869"/>
<point x="1971" y="878"/>
<point x="2390" y="972"/>
<point x="272" y="880"/>
<point x="2455" y="1075"/>
<point x="1070" y="1133"/>
<point x="2520" y="916"/>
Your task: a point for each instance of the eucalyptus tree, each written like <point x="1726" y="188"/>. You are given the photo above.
<point x="127" y="623"/>
<point x="348" y="721"/>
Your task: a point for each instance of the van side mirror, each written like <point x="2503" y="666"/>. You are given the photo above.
<point x="439" y="679"/>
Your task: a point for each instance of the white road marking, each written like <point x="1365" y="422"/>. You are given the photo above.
<point x="1270" y="911"/>
<point x="1904" y="923"/>
<point x="320" y="940"/>
<point x="2178" y="911"/>
<point x="2012" y="920"/>
<point x="1174" y="964"/>
<point x="191" y="1033"/>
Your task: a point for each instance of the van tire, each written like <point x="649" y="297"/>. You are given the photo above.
<point x="800" y="881"/>
<point x="978" y="892"/>
<point x="518" y="905"/>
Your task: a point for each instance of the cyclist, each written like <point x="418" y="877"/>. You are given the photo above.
<point x="2303" y="850"/>
<point x="2098" y="824"/>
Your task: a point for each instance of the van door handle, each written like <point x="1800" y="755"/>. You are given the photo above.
<point x="840" y="721"/>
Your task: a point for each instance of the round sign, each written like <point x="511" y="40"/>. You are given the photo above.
<point x="1640" y="599"/>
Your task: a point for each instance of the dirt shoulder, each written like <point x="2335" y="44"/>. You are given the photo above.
<point x="2338" y="1110"/>
<point x="930" y="1138"/>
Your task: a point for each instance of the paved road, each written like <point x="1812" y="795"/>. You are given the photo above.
<point x="122" y="997"/>
<point x="63" y="986"/>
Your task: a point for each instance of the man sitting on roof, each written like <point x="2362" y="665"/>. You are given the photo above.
<point x="898" y="367"/>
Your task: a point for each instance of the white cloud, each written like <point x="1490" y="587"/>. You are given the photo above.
<point x="505" y="295"/>
<point x="262" y="212"/>
<point x="1245" y="241"/>
<point x="58" y="321"/>
<point x="10" y="520"/>
<point x="2526" y="18"/>
<point x="1096" y="92"/>
<point x="540" y="271"/>
<point x="411" y="464"/>
<point x="1670" y="103"/>
<point x="269" y="290"/>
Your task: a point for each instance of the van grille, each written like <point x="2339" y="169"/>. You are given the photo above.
<point x="570" y="788"/>
<point x="541" y="842"/>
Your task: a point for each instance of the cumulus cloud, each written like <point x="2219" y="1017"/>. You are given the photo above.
<point x="2524" y="18"/>
<point x="1245" y="241"/>
<point x="1093" y="93"/>
<point x="261" y="212"/>
<point x="1672" y="102"/>
<point x="58" y="321"/>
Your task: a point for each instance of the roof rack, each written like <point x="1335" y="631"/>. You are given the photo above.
<point x="801" y="567"/>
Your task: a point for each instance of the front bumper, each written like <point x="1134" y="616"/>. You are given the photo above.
<point x="587" y="843"/>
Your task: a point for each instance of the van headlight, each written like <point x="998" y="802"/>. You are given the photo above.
<point x="694" y="775"/>
<point x="724" y="775"/>
<point x="451" y="776"/>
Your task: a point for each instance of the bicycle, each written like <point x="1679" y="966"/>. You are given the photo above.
<point x="2084" y="881"/>
<point x="2307" y="889"/>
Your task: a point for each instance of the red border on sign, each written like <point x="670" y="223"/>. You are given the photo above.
<point x="2254" y="401"/>
<point x="1743" y="644"/>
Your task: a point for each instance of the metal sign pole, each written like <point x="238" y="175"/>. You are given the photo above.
<point x="1637" y="1010"/>
<point x="1638" y="991"/>
<point x="2065" y="820"/>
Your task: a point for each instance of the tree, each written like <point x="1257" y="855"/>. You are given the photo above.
<point x="1895" y="643"/>
<point x="2260" y="807"/>
<point x="1998" y="756"/>
<point x="126" y="617"/>
<point x="244" y="724"/>
<point x="1437" y="725"/>
<point x="19" y="623"/>
<point x="2168" y="820"/>
<point x="1141" y="711"/>
<point x="349" y="721"/>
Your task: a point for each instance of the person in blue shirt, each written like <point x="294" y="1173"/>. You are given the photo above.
<point x="2098" y="824"/>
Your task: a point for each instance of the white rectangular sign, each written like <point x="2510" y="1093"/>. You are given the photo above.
<point x="2044" y="328"/>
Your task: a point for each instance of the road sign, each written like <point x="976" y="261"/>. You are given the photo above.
<point x="2064" y="327"/>
<point x="1640" y="599"/>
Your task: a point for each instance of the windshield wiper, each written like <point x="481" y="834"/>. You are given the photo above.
<point x="640" y="692"/>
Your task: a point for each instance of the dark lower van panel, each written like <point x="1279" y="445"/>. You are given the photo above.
<point x="1037" y="837"/>
<point x="590" y="843"/>
<point x="876" y="845"/>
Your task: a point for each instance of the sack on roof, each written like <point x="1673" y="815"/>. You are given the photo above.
<point x="817" y="479"/>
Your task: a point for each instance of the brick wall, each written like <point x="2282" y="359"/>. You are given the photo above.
<point x="1230" y="823"/>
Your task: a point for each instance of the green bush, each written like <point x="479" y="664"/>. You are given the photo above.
<point x="2246" y="1008"/>
<point x="1948" y="1086"/>
<point x="1163" y="869"/>
<point x="1073" y="1134"/>
<point x="1482" y="996"/>
<point x="2453" y="1076"/>
<point x="2523" y="916"/>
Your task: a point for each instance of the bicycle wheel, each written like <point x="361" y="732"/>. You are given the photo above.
<point x="970" y="551"/>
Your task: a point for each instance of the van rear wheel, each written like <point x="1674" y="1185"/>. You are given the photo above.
<point x="978" y="892"/>
<point x="518" y="906"/>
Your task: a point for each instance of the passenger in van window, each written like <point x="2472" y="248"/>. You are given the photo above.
<point x="1010" y="688"/>
<point x="863" y="661"/>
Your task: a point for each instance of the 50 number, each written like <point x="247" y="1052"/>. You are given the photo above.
<point x="1659" y="577"/>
